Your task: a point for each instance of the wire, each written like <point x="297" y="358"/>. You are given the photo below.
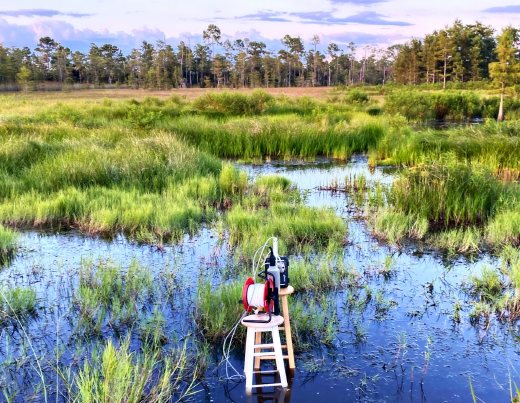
<point x="237" y="377"/>
<point x="226" y="354"/>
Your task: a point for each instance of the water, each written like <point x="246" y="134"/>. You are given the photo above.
<point x="448" y="124"/>
<point x="414" y="307"/>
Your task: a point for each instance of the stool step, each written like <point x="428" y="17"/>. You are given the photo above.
<point x="274" y="371"/>
<point x="266" y="385"/>
<point x="271" y="357"/>
<point x="268" y="346"/>
<point x="264" y="345"/>
<point x="269" y="353"/>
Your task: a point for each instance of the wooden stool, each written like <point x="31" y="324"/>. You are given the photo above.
<point x="284" y="292"/>
<point x="254" y="329"/>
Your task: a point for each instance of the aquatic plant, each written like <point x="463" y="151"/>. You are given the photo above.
<point x="16" y="303"/>
<point x="298" y="226"/>
<point x="233" y="103"/>
<point x="117" y="375"/>
<point x="8" y="242"/>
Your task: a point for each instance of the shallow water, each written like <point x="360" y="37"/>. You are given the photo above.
<point x="369" y="368"/>
<point x="447" y="124"/>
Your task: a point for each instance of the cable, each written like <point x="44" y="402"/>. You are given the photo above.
<point x="237" y="377"/>
<point x="226" y="355"/>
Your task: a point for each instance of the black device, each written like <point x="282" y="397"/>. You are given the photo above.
<point x="283" y="266"/>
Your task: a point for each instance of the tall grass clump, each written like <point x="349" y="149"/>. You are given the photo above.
<point x="281" y="136"/>
<point x="8" y="242"/>
<point x="116" y="375"/>
<point x="108" y="158"/>
<point x="233" y="103"/>
<point x="18" y="302"/>
<point x="320" y="274"/>
<point x="487" y="284"/>
<point x="494" y="144"/>
<point x="449" y="192"/>
<point x="417" y="105"/>
<point x="297" y="225"/>
<point x="109" y="293"/>
<point x="218" y="309"/>
<point x="395" y="226"/>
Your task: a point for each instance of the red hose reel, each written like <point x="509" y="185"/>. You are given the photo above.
<point x="267" y="298"/>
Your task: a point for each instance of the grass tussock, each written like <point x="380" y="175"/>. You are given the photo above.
<point x="116" y="375"/>
<point x="17" y="303"/>
<point x="8" y="242"/>
<point x="107" y="294"/>
<point x="296" y="225"/>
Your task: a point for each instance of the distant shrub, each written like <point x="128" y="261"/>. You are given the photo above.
<point x="357" y="96"/>
<point x="233" y="103"/>
<point x="375" y="111"/>
<point x="413" y="105"/>
<point x="456" y="105"/>
<point x="417" y="105"/>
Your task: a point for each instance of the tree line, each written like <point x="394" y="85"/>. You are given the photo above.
<point x="457" y="53"/>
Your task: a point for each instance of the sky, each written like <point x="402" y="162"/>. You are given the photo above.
<point x="127" y="23"/>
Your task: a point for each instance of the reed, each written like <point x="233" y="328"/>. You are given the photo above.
<point x="8" y="242"/>
<point x="450" y="192"/>
<point x="283" y="136"/>
<point x="492" y="144"/>
<point x="116" y="375"/>
<point x="299" y="226"/>
<point x="17" y="303"/>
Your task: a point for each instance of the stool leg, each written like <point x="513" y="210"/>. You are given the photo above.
<point x="258" y="340"/>
<point x="248" y="365"/>
<point x="280" y="366"/>
<point x="288" y="334"/>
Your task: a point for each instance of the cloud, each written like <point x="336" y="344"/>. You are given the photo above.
<point x="358" y="2"/>
<point x="362" y="38"/>
<point x="263" y="16"/>
<point x="504" y="9"/>
<point x="76" y="39"/>
<point x="40" y="12"/>
<point x="364" y="18"/>
<point x="322" y="18"/>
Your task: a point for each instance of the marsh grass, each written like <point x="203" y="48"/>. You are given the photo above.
<point x="319" y="275"/>
<point x="282" y="136"/>
<point x="116" y="375"/>
<point x="466" y="240"/>
<point x="493" y="144"/>
<point x="8" y="243"/>
<point x="296" y="225"/>
<point x="18" y="303"/>
<point x="107" y="293"/>
<point x="451" y="204"/>
<point x="393" y="227"/>
<point x="218" y="309"/>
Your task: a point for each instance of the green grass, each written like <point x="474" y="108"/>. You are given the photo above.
<point x="395" y="226"/>
<point x="8" y="242"/>
<point x="17" y="303"/>
<point x="492" y="144"/>
<point x="296" y="225"/>
<point x="116" y="375"/>
<point x="487" y="284"/>
<point x="282" y="136"/>
<point x="108" y="294"/>
<point x="452" y="204"/>
<point x="319" y="275"/>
